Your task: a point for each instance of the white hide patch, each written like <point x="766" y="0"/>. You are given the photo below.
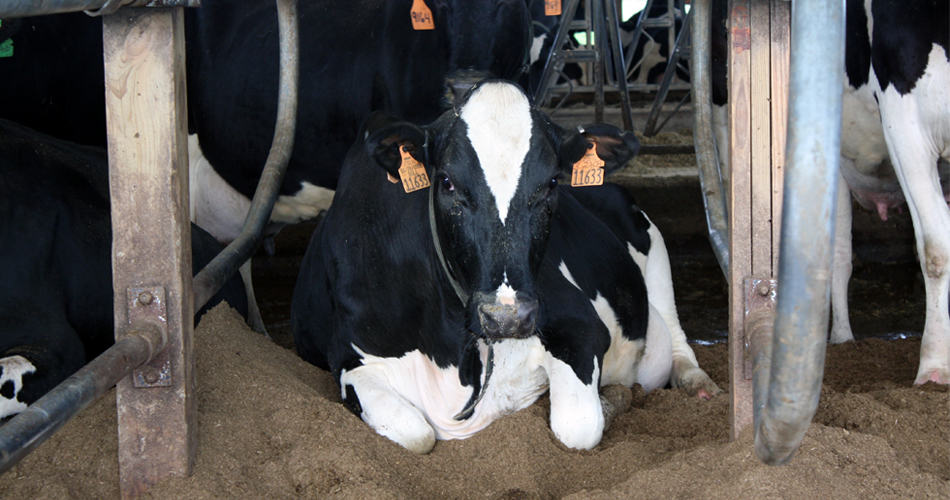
<point x="215" y="206"/>
<point x="220" y="209"/>
<point x="392" y="389"/>
<point x="303" y="205"/>
<point x="653" y="370"/>
<point x="577" y="418"/>
<point x="505" y="294"/>
<point x="14" y="368"/>
<point x="498" y="116"/>
<point x="620" y="360"/>
<point x="536" y="44"/>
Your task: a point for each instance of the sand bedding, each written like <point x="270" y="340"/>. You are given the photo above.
<point x="271" y="425"/>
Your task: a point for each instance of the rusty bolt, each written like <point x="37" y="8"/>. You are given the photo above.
<point x="763" y="288"/>
<point x="145" y="298"/>
<point x="150" y="375"/>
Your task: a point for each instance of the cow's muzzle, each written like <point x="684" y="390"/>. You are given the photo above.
<point x="507" y="319"/>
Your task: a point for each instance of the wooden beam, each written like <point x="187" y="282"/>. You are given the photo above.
<point x="779" y="62"/>
<point x="761" y="141"/>
<point x="740" y="202"/>
<point x="758" y="76"/>
<point x="151" y="248"/>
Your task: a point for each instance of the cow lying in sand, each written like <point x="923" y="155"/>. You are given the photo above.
<point x="441" y="309"/>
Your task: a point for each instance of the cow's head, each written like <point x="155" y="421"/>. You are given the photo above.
<point x="495" y="164"/>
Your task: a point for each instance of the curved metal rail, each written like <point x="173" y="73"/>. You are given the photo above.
<point x="29" y="429"/>
<point x="210" y="279"/>
<point x="787" y="390"/>
<point x="710" y="179"/>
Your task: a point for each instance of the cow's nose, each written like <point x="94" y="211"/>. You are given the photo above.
<point x="516" y="320"/>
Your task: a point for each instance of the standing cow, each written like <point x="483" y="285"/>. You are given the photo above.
<point x="440" y="310"/>
<point x="895" y="138"/>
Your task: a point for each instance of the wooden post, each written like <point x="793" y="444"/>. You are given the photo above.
<point x="780" y="43"/>
<point x="151" y="248"/>
<point x="758" y="72"/>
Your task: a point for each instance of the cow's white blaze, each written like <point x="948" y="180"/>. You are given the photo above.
<point x="14" y="368"/>
<point x="498" y="116"/>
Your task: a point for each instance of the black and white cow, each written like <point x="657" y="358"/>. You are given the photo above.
<point x="647" y="64"/>
<point x="441" y="310"/>
<point x="56" y="292"/>
<point x="654" y="48"/>
<point x="895" y="140"/>
<point x="355" y="57"/>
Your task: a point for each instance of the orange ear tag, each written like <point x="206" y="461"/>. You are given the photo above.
<point x="552" y="7"/>
<point x="421" y="16"/>
<point x="589" y="170"/>
<point x="412" y="172"/>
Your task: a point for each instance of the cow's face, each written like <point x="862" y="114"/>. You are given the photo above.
<point x="495" y="165"/>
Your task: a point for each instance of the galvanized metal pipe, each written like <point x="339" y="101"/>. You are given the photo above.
<point x="710" y="178"/>
<point x="805" y="258"/>
<point x="29" y="429"/>
<point x="548" y="75"/>
<point x="27" y="8"/>
<point x="210" y="279"/>
<point x="650" y="129"/>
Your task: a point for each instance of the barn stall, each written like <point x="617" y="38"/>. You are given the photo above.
<point x="269" y="424"/>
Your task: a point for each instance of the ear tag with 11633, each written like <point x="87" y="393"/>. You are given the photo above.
<point x="589" y="170"/>
<point x="412" y="172"/>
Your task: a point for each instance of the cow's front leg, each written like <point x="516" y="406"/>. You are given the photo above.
<point x="367" y="392"/>
<point x="577" y="418"/>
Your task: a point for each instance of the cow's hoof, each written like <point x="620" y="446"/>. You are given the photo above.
<point x="614" y="400"/>
<point x="935" y="375"/>
<point x="414" y="438"/>
<point x="697" y="383"/>
<point x="580" y="428"/>
<point x="840" y="335"/>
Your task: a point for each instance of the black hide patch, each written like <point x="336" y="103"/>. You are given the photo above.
<point x="8" y="390"/>
<point x="351" y="401"/>
<point x="904" y="34"/>
<point x="857" y="44"/>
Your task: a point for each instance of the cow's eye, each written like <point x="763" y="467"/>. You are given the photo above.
<point x="553" y="182"/>
<point x="446" y="182"/>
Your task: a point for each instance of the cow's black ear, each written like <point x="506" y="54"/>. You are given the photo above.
<point x="383" y="135"/>
<point x="614" y="146"/>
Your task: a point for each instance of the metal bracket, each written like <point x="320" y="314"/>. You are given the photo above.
<point x="147" y="305"/>
<point x="759" y="314"/>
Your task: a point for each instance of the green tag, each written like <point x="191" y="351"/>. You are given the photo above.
<point x="6" y="46"/>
